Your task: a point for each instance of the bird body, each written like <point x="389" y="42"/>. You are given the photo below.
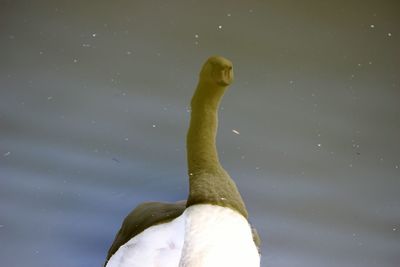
<point x="203" y="236"/>
<point x="210" y="228"/>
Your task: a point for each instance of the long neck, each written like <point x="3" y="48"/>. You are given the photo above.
<point x="209" y="183"/>
<point x="201" y="147"/>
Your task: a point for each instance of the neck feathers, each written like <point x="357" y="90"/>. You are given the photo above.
<point x="208" y="181"/>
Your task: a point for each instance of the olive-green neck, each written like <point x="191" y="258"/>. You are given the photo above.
<point x="201" y="146"/>
<point x="208" y="181"/>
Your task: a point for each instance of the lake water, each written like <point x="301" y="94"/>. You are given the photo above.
<point x="94" y="113"/>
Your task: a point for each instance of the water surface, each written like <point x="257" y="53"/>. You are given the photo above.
<point x="93" y="118"/>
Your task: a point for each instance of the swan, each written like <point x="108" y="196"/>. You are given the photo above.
<point x="210" y="228"/>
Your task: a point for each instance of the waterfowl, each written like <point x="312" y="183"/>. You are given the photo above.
<point x="211" y="227"/>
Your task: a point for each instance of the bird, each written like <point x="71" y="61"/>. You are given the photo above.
<point x="208" y="229"/>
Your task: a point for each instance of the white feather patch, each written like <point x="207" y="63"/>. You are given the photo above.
<point x="216" y="236"/>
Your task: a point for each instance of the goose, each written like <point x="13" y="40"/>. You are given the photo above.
<point x="211" y="227"/>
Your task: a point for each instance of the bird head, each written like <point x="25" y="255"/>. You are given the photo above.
<point x="217" y="71"/>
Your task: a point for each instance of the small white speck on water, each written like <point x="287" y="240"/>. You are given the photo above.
<point x="222" y="198"/>
<point x="350" y="165"/>
<point x="389" y="34"/>
<point x="196" y="36"/>
<point x="94" y="34"/>
<point x="394" y="229"/>
<point x="235" y="131"/>
<point x="257" y="168"/>
<point x="191" y="174"/>
<point x="7" y="154"/>
<point x="319" y="145"/>
<point x="128" y="52"/>
<point x="372" y="26"/>
<point x="220" y="27"/>
<point x="126" y="139"/>
<point x="229" y="14"/>
<point x="154" y="126"/>
<point x="370" y="63"/>
<point x="75" y="60"/>
<point x="86" y="45"/>
<point x="49" y="98"/>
